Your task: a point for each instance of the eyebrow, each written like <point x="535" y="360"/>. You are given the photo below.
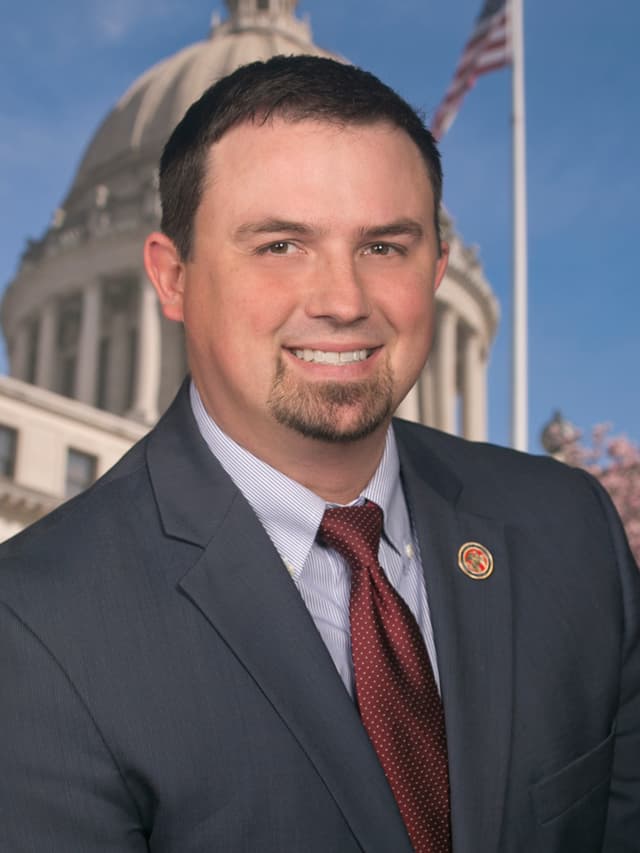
<point x="272" y="226"/>
<point x="408" y="227"/>
<point x="397" y="228"/>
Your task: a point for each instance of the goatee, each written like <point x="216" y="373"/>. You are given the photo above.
<point x="332" y="411"/>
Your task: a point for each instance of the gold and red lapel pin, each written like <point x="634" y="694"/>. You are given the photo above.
<point x="475" y="560"/>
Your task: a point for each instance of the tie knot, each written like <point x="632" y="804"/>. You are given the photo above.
<point x="353" y="531"/>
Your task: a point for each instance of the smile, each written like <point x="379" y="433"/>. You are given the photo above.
<point x="330" y="357"/>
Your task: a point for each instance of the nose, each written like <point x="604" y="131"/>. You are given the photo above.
<point x="338" y="293"/>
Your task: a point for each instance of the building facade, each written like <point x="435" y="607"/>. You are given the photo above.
<point x="87" y="342"/>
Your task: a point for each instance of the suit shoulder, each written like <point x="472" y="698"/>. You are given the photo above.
<point x="77" y="519"/>
<point x="459" y="452"/>
<point x="87" y="558"/>
<point x="501" y="479"/>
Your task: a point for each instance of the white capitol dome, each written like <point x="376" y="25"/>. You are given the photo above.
<point x="81" y="319"/>
<point x="135" y="131"/>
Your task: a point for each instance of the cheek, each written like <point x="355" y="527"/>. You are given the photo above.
<point x="410" y="309"/>
<point x="259" y="299"/>
<point x="267" y="310"/>
<point x="413" y="321"/>
<point x="231" y="317"/>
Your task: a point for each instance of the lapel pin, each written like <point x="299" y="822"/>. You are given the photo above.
<point x="475" y="560"/>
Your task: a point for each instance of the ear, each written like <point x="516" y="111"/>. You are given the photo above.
<point x="441" y="264"/>
<point x="166" y="272"/>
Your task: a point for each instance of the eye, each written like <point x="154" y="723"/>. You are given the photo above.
<point x="383" y="249"/>
<point x="280" y="247"/>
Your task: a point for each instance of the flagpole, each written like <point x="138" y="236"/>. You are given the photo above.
<point x="519" y="390"/>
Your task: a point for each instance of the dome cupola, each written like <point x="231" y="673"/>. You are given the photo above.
<point x="248" y="8"/>
<point x="272" y="15"/>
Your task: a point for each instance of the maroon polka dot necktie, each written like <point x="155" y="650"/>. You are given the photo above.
<point x="396" y="692"/>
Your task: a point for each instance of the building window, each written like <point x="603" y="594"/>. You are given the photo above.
<point x="32" y="352"/>
<point x="132" y="370"/>
<point x="81" y="472"/>
<point x="8" y="441"/>
<point x="103" y="372"/>
<point x="67" y="383"/>
<point x="68" y="338"/>
<point x="117" y="355"/>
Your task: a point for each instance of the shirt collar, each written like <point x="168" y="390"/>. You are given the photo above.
<point x="293" y="516"/>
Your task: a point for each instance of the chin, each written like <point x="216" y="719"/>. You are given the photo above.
<point x="341" y="430"/>
<point x="334" y="412"/>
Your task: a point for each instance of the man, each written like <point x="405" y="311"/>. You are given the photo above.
<point x="178" y="643"/>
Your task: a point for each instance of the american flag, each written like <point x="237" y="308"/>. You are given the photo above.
<point x="487" y="49"/>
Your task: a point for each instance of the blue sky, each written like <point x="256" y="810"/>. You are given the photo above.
<point x="65" y="64"/>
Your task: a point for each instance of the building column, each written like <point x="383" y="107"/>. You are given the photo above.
<point x="409" y="408"/>
<point x="445" y="369"/>
<point x="46" y="357"/>
<point x="147" y="381"/>
<point x="19" y="351"/>
<point x="88" y="344"/>
<point x="474" y="389"/>
<point x="427" y="395"/>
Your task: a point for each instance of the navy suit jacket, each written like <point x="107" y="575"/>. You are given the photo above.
<point x="164" y="687"/>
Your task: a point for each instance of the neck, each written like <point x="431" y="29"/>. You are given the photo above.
<point x="337" y="472"/>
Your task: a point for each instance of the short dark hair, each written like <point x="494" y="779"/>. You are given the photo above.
<point x="290" y="87"/>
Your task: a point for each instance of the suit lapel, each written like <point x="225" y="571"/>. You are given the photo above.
<point x="473" y="637"/>
<point x="242" y="588"/>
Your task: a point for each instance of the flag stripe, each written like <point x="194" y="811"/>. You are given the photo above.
<point x="497" y="35"/>
<point x="487" y="50"/>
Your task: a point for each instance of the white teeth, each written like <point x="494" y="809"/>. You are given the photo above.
<point x="331" y="357"/>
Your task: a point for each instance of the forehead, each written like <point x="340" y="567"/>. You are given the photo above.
<point x="288" y="157"/>
<point x="283" y="127"/>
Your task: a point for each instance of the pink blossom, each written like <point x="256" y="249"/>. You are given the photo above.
<point x="615" y="461"/>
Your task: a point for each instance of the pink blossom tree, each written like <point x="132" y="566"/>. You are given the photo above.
<point x="613" y="459"/>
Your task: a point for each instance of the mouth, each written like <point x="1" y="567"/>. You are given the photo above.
<point x="317" y="356"/>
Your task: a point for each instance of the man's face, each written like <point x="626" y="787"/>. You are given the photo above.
<point x="308" y="301"/>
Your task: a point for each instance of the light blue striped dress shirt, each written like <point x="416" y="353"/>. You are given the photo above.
<point x="321" y="575"/>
